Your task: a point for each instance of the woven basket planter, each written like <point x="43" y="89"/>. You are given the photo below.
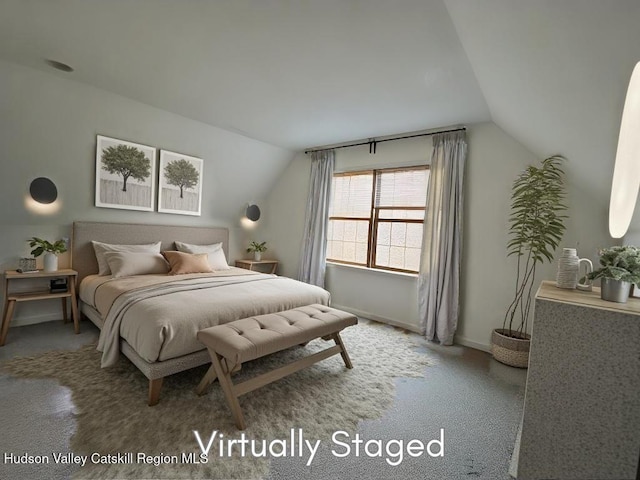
<point x="508" y="350"/>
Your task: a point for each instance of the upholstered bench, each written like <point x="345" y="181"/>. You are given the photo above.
<point x="234" y="343"/>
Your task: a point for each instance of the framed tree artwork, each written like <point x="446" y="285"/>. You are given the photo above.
<point x="125" y="174"/>
<point x="180" y="185"/>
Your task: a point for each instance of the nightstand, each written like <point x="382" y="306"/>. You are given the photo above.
<point x="249" y="264"/>
<point x="10" y="299"/>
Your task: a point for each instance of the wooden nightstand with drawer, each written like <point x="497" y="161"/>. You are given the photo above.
<point x="12" y="298"/>
<point x="251" y="264"/>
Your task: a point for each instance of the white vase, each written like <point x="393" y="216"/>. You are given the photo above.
<point x="50" y="262"/>
<point x="257" y="256"/>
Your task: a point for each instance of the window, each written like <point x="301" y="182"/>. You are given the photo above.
<point x="376" y="218"/>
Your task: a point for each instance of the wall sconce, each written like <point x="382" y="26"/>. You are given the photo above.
<point x="43" y="190"/>
<point x="626" y="173"/>
<point x="42" y="198"/>
<point x="253" y="212"/>
<point x="251" y="216"/>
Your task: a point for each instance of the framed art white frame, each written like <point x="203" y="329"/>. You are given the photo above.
<point x="180" y="183"/>
<point x="118" y="185"/>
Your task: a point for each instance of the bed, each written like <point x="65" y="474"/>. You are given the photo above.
<point x="153" y="319"/>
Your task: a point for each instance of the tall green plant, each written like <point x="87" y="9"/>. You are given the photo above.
<point x="536" y="228"/>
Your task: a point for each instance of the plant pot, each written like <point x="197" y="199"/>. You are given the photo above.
<point x="615" y="290"/>
<point x="257" y="256"/>
<point x="509" y="350"/>
<point x="50" y="262"/>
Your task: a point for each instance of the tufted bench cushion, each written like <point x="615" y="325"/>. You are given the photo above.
<point x="255" y="337"/>
<point x="243" y="340"/>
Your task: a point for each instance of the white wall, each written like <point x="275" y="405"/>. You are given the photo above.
<point x="494" y="160"/>
<point x="48" y="127"/>
<point x="488" y="276"/>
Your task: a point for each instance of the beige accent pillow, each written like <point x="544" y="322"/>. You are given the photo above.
<point x="102" y="248"/>
<point x="217" y="260"/>
<point x="181" y="263"/>
<point x="125" y="264"/>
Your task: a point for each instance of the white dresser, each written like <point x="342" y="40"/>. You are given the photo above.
<point x="581" y="414"/>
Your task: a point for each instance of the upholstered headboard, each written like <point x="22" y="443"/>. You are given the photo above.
<point x="83" y="258"/>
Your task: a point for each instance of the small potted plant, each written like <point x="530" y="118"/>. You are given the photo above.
<point x="620" y="268"/>
<point x="257" y="249"/>
<point x="51" y="251"/>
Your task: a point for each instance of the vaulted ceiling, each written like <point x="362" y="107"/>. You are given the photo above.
<point x="555" y="75"/>
<point x="552" y="73"/>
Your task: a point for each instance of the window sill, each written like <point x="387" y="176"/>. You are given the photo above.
<point x="372" y="270"/>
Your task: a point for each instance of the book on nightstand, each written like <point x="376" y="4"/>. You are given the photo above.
<point x="58" y="285"/>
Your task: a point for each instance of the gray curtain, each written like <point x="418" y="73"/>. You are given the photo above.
<point x="314" y="245"/>
<point x="439" y="278"/>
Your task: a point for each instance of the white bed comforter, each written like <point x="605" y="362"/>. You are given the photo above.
<point x="159" y="315"/>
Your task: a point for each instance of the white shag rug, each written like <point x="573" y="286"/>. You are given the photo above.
<point x="113" y="417"/>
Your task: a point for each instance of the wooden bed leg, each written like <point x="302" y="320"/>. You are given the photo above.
<point x="208" y="378"/>
<point x="343" y="353"/>
<point x="155" y="386"/>
<point x="227" y="387"/>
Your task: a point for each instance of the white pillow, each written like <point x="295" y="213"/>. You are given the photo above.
<point x="125" y="264"/>
<point x="102" y="248"/>
<point x="217" y="260"/>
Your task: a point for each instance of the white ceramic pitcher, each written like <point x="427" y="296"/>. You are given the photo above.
<point x="569" y="268"/>
<point x="587" y="286"/>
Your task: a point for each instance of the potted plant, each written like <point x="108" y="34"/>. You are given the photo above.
<point x="620" y="269"/>
<point x="51" y="251"/>
<point x="536" y="226"/>
<point x="257" y="249"/>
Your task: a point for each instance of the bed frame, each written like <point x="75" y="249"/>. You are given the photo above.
<point x="83" y="260"/>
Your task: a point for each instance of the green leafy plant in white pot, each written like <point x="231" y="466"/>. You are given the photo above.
<point x="257" y="249"/>
<point x="50" y="250"/>
<point x="536" y="226"/>
<point x="620" y="268"/>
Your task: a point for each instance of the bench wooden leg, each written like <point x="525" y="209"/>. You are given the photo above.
<point x="343" y="353"/>
<point x="227" y="387"/>
<point x="155" y="386"/>
<point x="208" y="378"/>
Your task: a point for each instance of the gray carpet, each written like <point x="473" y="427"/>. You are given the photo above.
<point x="112" y="416"/>
<point x="477" y="401"/>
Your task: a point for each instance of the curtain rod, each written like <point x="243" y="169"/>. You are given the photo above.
<point x="372" y="143"/>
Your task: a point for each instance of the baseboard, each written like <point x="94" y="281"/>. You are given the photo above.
<point x="470" y="343"/>
<point x="413" y="328"/>
<point x="378" y="318"/>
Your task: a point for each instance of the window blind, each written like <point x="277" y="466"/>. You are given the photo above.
<point x="402" y="188"/>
